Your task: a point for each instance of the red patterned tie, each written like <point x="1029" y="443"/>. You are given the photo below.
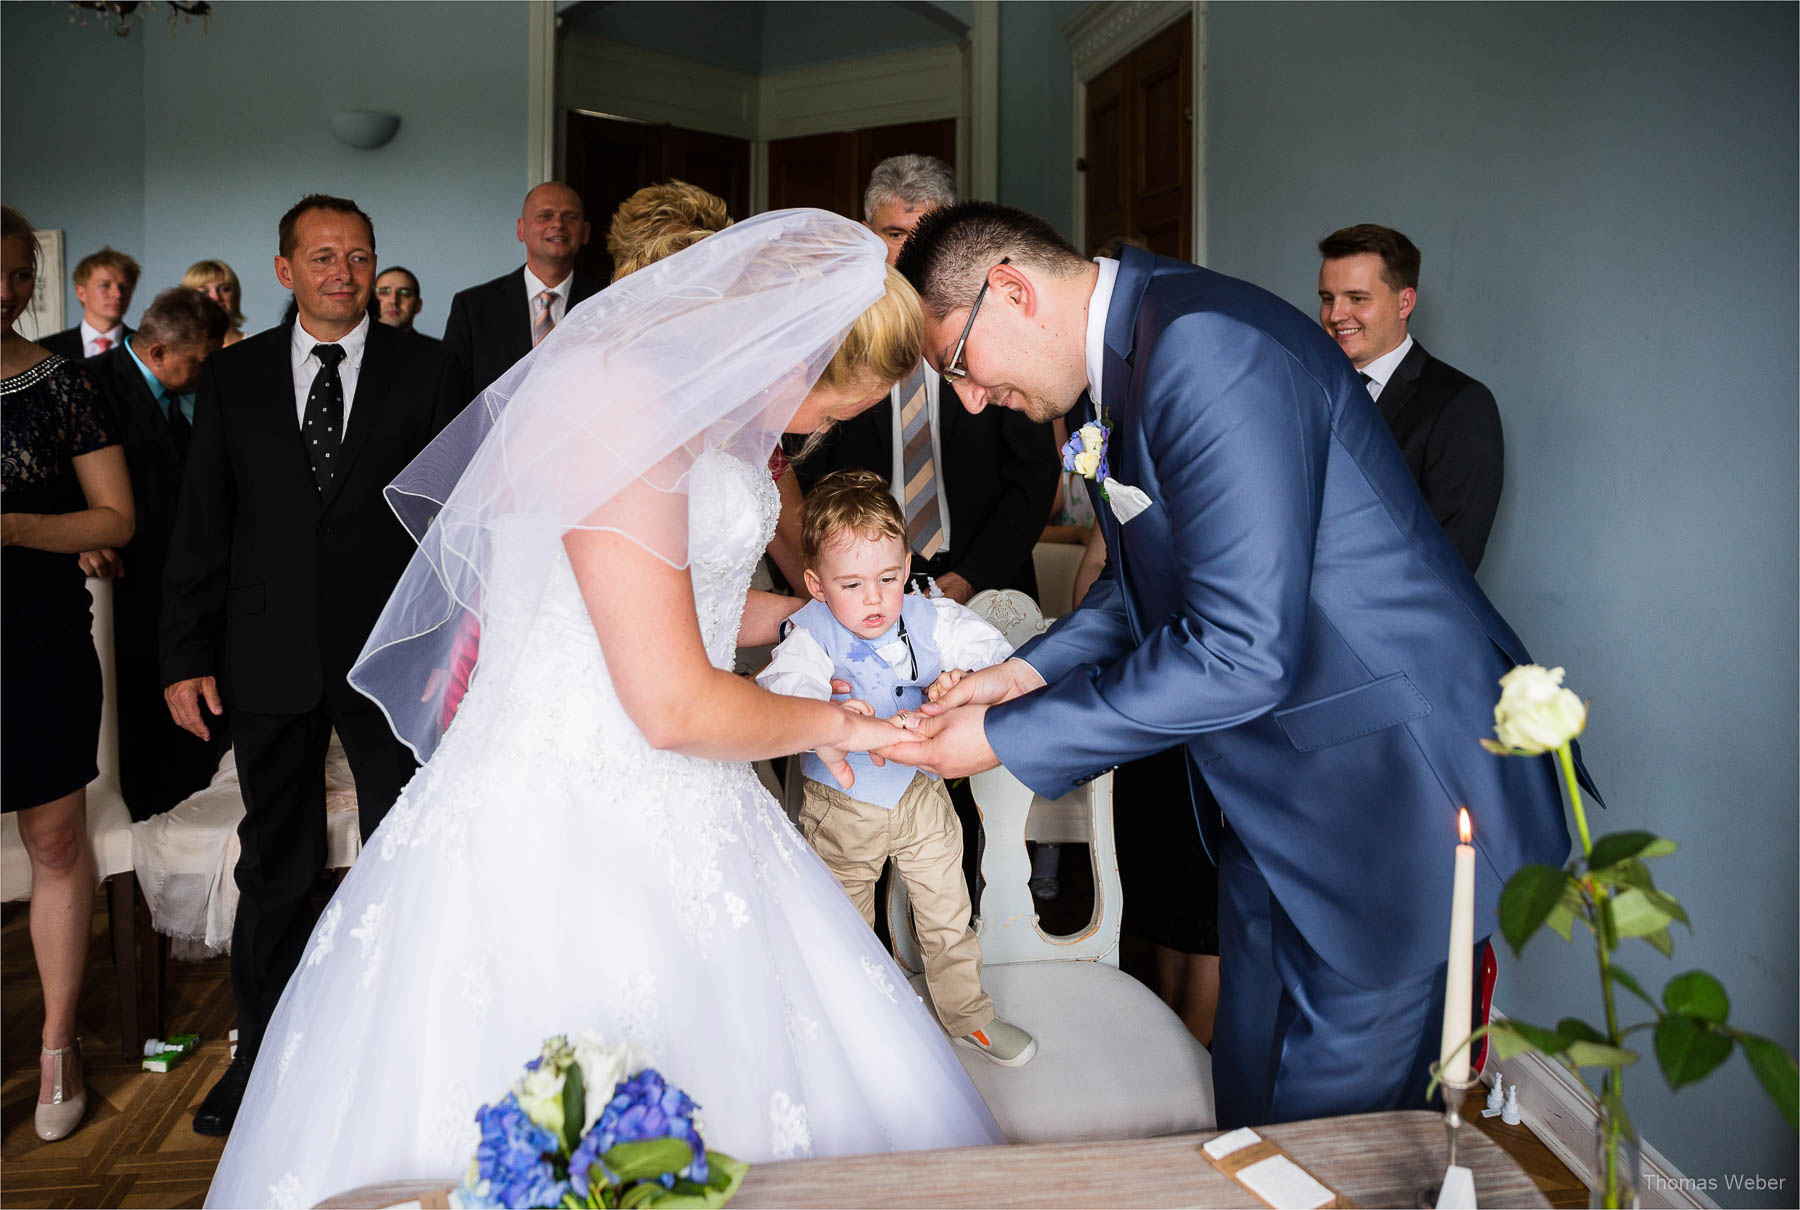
<point x="102" y="344"/>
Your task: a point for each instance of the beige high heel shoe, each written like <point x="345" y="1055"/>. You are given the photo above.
<point x="60" y="1117"/>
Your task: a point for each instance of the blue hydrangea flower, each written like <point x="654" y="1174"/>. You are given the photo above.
<point x="643" y="1107"/>
<point x="515" y="1157"/>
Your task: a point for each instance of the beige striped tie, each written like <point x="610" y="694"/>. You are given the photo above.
<point x="924" y="528"/>
<point x="541" y="323"/>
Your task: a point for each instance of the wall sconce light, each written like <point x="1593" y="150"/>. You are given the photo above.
<point x="364" y="128"/>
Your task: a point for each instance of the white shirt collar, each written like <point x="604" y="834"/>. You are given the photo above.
<point x="535" y="287"/>
<point x="89" y="333"/>
<point x="352" y="342"/>
<point x="1383" y="367"/>
<point x="1098" y="304"/>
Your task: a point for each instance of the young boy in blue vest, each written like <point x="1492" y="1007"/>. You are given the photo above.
<point x="861" y="627"/>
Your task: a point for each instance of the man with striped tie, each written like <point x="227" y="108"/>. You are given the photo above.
<point x="975" y="490"/>
<point x="494" y="324"/>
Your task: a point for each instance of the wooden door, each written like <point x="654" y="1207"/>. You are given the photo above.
<point x="1139" y="166"/>
<point x="607" y="160"/>
<point x="831" y="170"/>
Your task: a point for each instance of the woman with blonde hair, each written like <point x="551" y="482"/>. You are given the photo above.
<point x="586" y="846"/>
<point x="215" y="279"/>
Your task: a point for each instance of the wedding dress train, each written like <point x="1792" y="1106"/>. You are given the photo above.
<point x="550" y="872"/>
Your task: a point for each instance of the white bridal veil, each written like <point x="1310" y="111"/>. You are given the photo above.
<point x="711" y="349"/>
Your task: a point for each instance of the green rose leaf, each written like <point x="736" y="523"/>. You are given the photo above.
<point x="724" y="1173"/>
<point x="1611" y="850"/>
<point x="1688" y="1049"/>
<point x="1774" y="1068"/>
<point x="1513" y="1037"/>
<point x="574" y="1107"/>
<point x="1638" y="913"/>
<point x="1527" y="899"/>
<point x="1665" y="945"/>
<point x="1628" y="873"/>
<point x="640" y="1194"/>
<point x="1628" y="981"/>
<point x="684" y="1196"/>
<point x="1561" y="921"/>
<point x="1697" y="994"/>
<point x="1575" y="1029"/>
<point x="647" y="1159"/>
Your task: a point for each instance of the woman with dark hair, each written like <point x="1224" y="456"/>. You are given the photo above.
<point x="63" y="490"/>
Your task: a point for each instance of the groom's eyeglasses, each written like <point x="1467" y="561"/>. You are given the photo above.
<point x="954" y="370"/>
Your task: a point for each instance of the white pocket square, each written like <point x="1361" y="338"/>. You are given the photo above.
<point x="1127" y="501"/>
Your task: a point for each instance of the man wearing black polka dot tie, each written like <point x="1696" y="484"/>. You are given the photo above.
<point x="283" y="555"/>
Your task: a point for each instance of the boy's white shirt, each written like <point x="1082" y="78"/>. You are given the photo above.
<point x="799" y="667"/>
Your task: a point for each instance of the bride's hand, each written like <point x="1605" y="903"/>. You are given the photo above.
<point x="861" y="733"/>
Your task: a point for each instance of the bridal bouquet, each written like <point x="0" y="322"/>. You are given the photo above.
<point x="588" y="1125"/>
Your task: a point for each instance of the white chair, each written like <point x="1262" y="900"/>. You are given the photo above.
<point x="1113" y="1061"/>
<point x="137" y="953"/>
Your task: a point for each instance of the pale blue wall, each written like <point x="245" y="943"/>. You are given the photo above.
<point x="766" y="37"/>
<point x="221" y="132"/>
<point x="797" y="33"/>
<point x="1037" y="111"/>
<point x="71" y="112"/>
<point x="1605" y="196"/>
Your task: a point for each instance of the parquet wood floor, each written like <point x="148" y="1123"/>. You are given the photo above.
<point x="137" y="1146"/>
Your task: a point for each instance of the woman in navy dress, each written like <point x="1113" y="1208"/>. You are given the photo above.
<point x="63" y="490"/>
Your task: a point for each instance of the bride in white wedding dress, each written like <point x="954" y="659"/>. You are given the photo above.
<point x="585" y="848"/>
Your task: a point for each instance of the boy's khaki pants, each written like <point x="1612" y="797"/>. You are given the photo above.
<point x="921" y="836"/>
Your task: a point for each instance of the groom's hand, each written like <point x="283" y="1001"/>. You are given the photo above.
<point x="991" y="686"/>
<point x="955" y="744"/>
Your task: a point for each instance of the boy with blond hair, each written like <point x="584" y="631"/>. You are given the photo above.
<point x="862" y="628"/>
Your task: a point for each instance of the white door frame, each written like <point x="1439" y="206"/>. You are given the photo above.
<point x="1099" y="36"/>
<point x="540" y="90"/>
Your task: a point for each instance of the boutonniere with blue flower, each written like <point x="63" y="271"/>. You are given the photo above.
<point x="1087" y="454"/>
<point x="1085" y="451"/>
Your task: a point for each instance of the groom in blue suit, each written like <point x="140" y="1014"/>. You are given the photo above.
<point x="1279" y="599"/>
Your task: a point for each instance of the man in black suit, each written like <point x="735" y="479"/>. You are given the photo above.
<point x="149" y="380"/>
<point x="283" y="556"/>
<point x="977" y="489"/>
<point x="104" y="283"/>
<point x="494" y="324"/>
<point x="1446" y="423"/>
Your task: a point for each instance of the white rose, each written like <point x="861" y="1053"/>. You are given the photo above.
<point x="1087" y="462"/>
<point x="603" y="1068"/>
<point x="1092" y="435"/>
<point x="1535" y="713"/>
<point x="540" y="1096"/>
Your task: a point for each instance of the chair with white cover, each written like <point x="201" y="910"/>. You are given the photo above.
<point x="1113" y="1061"/>
<point x="137" y="954"/>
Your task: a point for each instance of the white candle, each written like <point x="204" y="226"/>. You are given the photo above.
<point x="1459" y="981"/>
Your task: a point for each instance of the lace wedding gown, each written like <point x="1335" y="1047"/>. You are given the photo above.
<point x="550" y="872"/>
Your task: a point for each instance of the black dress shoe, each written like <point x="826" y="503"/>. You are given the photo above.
<point x="220" y="1108"/>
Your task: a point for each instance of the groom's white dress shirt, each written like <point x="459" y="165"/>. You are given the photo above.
<point x="1098" y="304"/>
<point x="1377" y="372"/>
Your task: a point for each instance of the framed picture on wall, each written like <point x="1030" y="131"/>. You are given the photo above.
<point x="45" y="314"/>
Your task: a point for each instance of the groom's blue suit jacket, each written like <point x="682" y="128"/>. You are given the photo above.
<point x="1289" y="609"/>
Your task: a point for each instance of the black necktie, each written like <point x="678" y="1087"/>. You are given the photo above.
<point x="179" y="427"/>
<point x="1366" y="379"/>
<point x="323" y="424"/>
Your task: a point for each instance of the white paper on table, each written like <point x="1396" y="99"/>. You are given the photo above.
<point x="1284" y="1184"/>
<point x="1458" y="1190"/>
<point x="1237" y="1140"/>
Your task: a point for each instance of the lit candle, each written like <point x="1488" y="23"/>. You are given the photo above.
<point x="1458" y="980"/>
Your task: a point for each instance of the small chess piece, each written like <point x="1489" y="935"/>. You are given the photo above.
<point x="1510" y="1114"/>
<point x="1496" y="1097"/>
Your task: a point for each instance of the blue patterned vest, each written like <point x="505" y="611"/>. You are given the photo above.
<point x="876" y="682"/>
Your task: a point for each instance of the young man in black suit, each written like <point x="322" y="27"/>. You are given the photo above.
<point x="976" y="489"/>
<point x="1447" y="424"/>
<point x="149" y="380"/>
<point x="283" y="556"/>
<point x="104" y="283"/>
<point x="494" y="324"/>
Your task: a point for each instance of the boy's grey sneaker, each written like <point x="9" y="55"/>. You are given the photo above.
<point x="1003" y="1042"/>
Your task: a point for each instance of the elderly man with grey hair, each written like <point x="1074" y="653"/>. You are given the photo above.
<point x="902" y="188"/>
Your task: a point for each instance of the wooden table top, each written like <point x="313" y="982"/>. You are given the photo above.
<point x="1376" y="1159"/>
